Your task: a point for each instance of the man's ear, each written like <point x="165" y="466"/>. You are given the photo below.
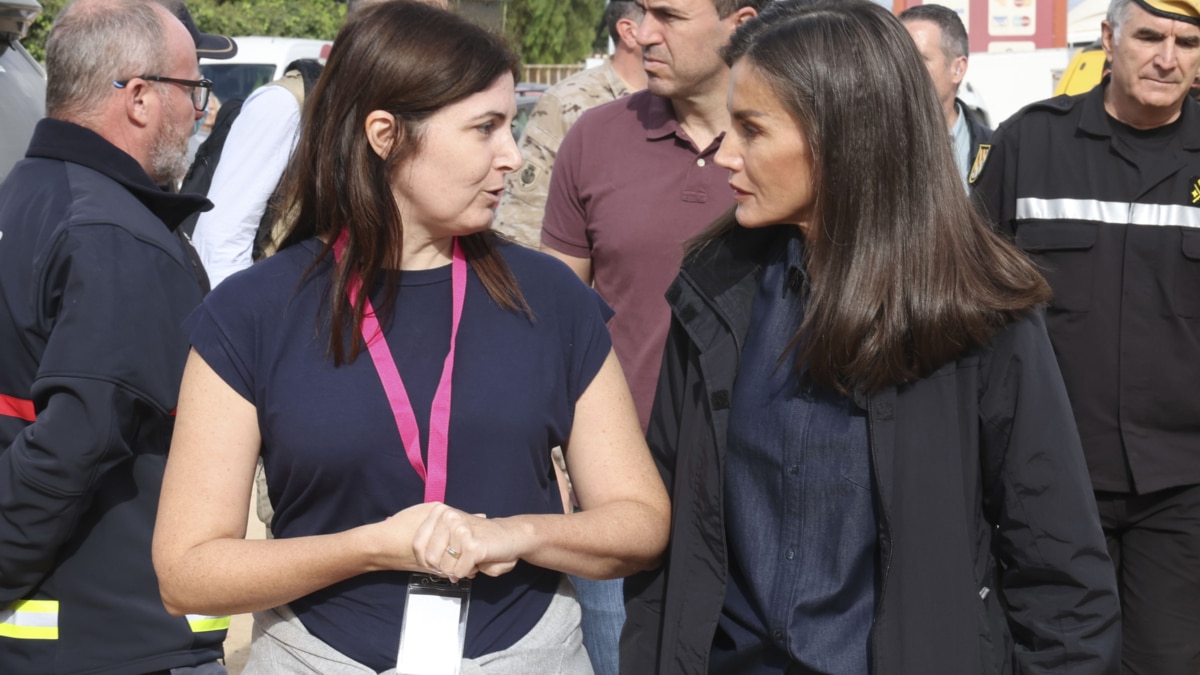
<point x="627" y="29"/>
<point x="958" y="69"/>
<point x="382" y="131"/>
<point x="743" y="15"/>
<point x="1106" y="39"/>
<point x="140" y="101"/>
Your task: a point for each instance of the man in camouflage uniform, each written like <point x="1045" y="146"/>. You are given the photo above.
<point x="520" y="213"/>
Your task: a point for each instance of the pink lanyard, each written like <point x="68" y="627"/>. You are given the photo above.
<point x="389" y="375"/>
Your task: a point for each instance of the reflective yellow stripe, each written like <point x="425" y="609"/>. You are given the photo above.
<point x="30" y="620"/>
<point x="202" y="624"/>
<point x="38" y="620"/>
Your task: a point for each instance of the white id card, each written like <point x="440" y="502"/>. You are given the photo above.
<point x="434" y="631"/>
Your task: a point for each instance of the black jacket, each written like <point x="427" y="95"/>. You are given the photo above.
<point x="1115" y="226"/>
<point x="988" y="535"/>
<point x="94" y="289"/>
<point x="978" y="133"/>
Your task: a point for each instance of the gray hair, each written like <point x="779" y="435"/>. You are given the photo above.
<point x="96" y="42"/>
<point x="1118" y="12"/>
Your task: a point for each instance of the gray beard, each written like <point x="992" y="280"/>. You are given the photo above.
<point x="168" y="156"/>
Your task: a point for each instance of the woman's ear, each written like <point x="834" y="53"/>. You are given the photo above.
<point x="382" y="131"/>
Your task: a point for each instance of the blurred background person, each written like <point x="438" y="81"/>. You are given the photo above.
<point x="870" y="450"/>
<point x="941" y="39"/>
<point x="203" y="127"/>
<point x="427" y="449"/>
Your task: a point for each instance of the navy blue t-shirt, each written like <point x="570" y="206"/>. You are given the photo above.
<point x="331" y="450"/>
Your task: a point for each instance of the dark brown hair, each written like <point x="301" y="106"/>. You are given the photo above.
<point x="411" y="60"/>
<point x="905" y="276"/>
<point x="727" y="7"/>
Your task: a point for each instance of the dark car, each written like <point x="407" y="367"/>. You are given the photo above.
<point x="22" y="82"/>
<point x="524" y="107"/>
<point x="527" y="97"/>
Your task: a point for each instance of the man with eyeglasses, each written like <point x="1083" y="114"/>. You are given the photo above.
<point x="94" y="289"/>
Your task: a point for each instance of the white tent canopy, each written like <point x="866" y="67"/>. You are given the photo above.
<point x="1083" y="21"/>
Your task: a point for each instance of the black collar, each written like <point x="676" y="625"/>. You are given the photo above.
<point x="1095" y="120"/>
<point x="68" y="142"/>
<point x="721" y="263"/>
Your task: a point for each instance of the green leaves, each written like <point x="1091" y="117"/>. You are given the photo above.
<point x="543" y="31"/>
<point x="552" y="31"/>
<point x="284" y="18"/>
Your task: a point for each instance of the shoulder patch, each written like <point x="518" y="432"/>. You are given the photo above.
<point x="981" y="156"/>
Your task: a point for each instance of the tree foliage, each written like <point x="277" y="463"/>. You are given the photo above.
<point x="35" y="40"/>
<point x="543" y="31"/>
<point x="284" y="18"/>
<point x="553" y="31"/>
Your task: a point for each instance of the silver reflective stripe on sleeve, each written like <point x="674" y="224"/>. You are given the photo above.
<point x="202" y="623"/>
<point x="30" y="620"/>
<point x="1113" y="213"/>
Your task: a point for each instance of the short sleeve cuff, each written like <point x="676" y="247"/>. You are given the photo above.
<point x="212" y="343"/>
<point x="555" y="243"/>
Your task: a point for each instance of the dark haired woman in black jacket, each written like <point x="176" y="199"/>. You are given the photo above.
<point x="873" y="461"/>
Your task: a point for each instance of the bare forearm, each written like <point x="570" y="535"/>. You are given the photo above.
<point x="231" y="576"/>
<point x="612" y="541"/>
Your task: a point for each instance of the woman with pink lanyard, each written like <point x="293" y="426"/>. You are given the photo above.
<point x="403" y="374"/>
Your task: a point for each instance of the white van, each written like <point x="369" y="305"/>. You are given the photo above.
<point x="259" y="60"/>
<point x="22" y="83"/>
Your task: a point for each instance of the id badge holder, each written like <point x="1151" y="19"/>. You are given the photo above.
<point x="434" y="631"/>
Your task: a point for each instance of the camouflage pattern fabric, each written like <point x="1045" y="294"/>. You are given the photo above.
<point x="519" y="215"/>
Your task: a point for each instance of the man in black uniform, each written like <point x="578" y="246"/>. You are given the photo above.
<point x="94" y="288"/>
<point x="1103" y="191"/>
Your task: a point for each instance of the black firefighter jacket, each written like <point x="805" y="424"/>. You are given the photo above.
<point x="94" y="289"/>
<point x="1115" y="227"/>
<point x="991" y="554"/>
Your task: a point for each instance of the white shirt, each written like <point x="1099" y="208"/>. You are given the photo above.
<point x="256" y="152"/>
<point x="960" y="135"/>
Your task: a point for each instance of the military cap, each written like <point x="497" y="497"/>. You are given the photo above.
<point x="207" y="44"/>
<point x="1180" y="10"/>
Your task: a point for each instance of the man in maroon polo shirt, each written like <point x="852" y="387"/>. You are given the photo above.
<point x="634" y="179"/>
<point x="633" y="182"/>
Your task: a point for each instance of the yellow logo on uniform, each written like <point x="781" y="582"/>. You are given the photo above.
<point x="1196" y="191"/>
<point x="980" y="160"/>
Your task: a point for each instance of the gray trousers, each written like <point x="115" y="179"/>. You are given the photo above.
<point x="281" y="645"/>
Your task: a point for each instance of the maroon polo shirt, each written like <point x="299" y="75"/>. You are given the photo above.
<point x="629" y="189"/>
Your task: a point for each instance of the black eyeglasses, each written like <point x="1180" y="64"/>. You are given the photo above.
<point x="200" y="89"/>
